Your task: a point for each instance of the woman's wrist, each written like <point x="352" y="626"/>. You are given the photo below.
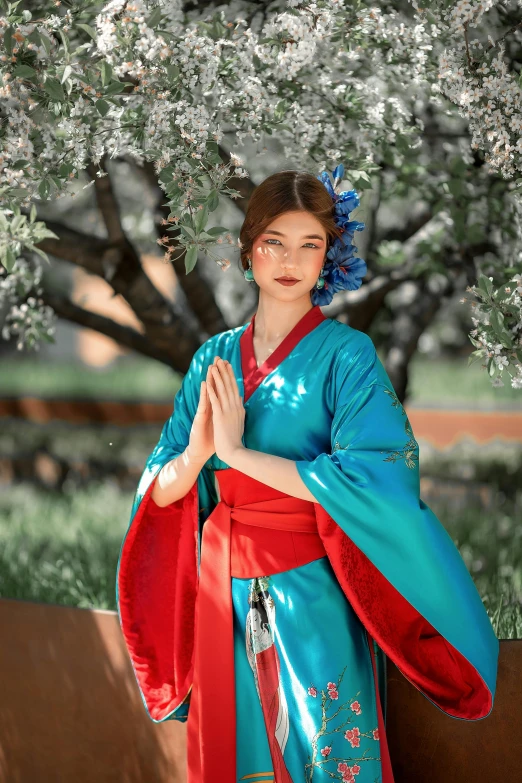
<point x="195" y="459"/>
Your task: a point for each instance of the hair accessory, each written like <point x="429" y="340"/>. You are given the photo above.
<point x="342" y="268"/>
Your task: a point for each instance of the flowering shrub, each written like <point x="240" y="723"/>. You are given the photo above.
<point x="498" y="329"/>
<point x="162" y="82"/>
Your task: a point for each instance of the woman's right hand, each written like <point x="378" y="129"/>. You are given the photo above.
<point x="201" y="439"/>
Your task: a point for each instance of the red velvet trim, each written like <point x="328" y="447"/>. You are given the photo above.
<point x="425" y="657"/>
<point x="157" y="584"/>
<point x="157" y="588"/>
<point x="252" y="374"/>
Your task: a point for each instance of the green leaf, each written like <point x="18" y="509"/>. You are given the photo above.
<point x="496" y="320"/>
<point x="172" y="72"/>
<point x="67" y="71"/>
<point x="44" y="188"/>
<point x="47" y="43"/>
<point x="155" y="17"/>
<point x="106" y="72"/>
<point x="8" y="40"/>
<point x="44" y="232"/>
<point x="8" y="259"/>
<point x="88" y="29"/>
<point x="505" y="291"/>
<point x="213" y="200"/>
<point x="35" y="37"/>
<point x="201" y="218"/>
<point x="456" y="187"/>
<point x="20" y="164"/>
<point x="188" y="230"/>
<point x="17" y="221"/>
<point x="102" y="106"/>
<point x="474" y="355"/>
<point x="54" y="89"/>
<point x="37" y="251"/>
<point x="24" y="71"/>
<point x="217" y="230"/>
<point x="191" y="258"/>
<point x="485" y="284"/>
<point x="114" y="88"/>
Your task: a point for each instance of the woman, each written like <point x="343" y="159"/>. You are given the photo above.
<point x="278" y="548"/>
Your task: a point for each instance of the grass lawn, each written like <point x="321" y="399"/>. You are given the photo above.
<point x="432" y="382"/>
<point x="63" y="548"/>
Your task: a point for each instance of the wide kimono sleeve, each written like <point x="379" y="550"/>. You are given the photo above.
<point x="157" y="572"/>
<point x="396" y="563"/>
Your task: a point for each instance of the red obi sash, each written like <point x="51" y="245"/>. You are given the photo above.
<point x="254" y="530"/>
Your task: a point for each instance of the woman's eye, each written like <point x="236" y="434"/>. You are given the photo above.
<point x="269" y="241"/>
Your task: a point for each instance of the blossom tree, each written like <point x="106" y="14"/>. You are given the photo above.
<point x="416" y="109"/>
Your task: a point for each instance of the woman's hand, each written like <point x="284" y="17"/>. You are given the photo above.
<point x="201" y="440"/>
<point x="228" y="413"/>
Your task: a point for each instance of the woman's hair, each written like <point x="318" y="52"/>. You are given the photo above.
<point x="286" y="191"/>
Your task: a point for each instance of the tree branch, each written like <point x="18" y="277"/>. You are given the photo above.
<point x="196" y="289"/>
<point x="124" y="335"/>
<point x="163" y="326"/>
<point x="407" y="327"/>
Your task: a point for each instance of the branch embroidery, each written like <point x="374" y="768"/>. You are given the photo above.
<point x="409" y="452"/>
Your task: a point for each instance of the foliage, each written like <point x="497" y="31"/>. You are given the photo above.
<point x="167" y="82"/>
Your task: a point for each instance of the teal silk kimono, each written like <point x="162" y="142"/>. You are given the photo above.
<point x="390" y="573"/>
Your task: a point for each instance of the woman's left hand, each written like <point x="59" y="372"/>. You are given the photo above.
<point x="228" y="412"/>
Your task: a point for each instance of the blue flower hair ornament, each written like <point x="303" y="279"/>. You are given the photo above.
<point x="342" y="268"/>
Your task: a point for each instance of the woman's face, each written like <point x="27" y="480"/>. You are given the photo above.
<point x="292" y="245"/>
<point x="262" y="638"/>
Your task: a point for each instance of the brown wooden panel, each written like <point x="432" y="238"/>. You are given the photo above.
<point x="70" y="709"/>
<point x="428" y="746"/>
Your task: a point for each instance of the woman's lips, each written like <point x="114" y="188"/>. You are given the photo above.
<point x="286" y="282"/>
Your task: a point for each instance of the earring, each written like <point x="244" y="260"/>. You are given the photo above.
<point x="249" y="275"/>
<point x="320" y="280"/>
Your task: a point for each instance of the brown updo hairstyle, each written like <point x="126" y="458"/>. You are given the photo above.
<point x="286" y="191"/>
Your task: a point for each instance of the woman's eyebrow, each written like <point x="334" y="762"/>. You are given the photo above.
<point x="279" y="233"/>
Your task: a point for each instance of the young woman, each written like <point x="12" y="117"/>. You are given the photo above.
<point x="278" y="548"/>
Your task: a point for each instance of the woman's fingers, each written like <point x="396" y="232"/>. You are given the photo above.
<point x="220" y="381"/>
<point x="227" y="375"/>
<point x="214" y="401"/>
<point x="228" y="381"/>
<point x="235" y="387"/>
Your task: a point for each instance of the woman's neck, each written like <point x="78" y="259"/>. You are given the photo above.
<point x="273" y="321"/>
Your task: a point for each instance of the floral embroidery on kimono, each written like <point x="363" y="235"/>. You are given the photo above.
<point x="346" y="724"/>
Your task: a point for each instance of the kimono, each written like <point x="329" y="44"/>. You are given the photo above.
<point x="264" y="620"/>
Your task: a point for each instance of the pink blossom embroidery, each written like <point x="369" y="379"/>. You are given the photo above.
<point x="332" y="686"/>
<point x="312" y="691"/>
<point x="376" y="734"/>
<point x="333" y="694"/>
<point x="326" y="751"/>
<point x="353" y="736"/>
<point x="356" y="707"/>
<point x="348" y="772"/>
